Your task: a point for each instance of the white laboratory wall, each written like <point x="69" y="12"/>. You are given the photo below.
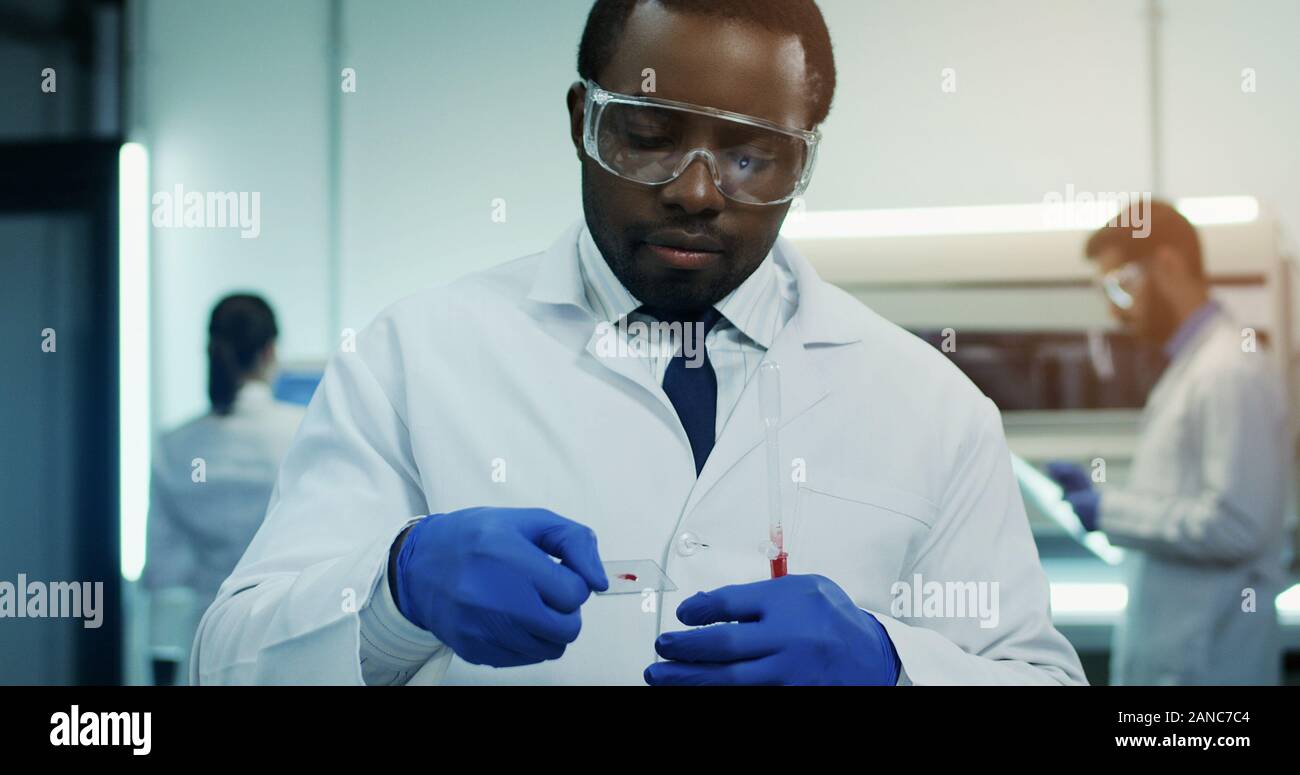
<point x="1220" y="139"/>
<point x="1048" y="94"/>
<point x="233" y="98"/>
<point x="458" y="104"/>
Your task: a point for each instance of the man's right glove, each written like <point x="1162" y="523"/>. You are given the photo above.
<point x="483" y="581"/>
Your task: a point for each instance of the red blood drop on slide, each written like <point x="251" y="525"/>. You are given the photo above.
<point x="627" y="576"/>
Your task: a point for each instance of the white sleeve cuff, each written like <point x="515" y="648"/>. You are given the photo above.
<point x="392" y="647"/>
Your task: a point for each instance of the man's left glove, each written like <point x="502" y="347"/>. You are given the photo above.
<point x="1078" y="491"/>
<point x="790" y="630"/>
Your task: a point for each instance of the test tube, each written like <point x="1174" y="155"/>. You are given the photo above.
<point x="769" y="400"/>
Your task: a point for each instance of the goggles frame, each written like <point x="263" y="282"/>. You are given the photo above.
<point x="1120" y="283"/>
<point x="597" y="98"/>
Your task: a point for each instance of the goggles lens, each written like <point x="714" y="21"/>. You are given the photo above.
<point x="1120" y="284"/>
<point x="653" y="144"/>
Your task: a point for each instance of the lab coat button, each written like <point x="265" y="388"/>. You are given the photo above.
<point x="688" y="543"/>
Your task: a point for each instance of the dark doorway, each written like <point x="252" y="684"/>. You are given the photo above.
<point x="59" y="409"/>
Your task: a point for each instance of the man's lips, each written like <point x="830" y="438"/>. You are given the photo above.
<point x="679" y="258"/>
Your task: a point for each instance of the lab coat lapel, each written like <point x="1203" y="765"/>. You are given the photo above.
<point x="633" y="368"/>
<point x="803" y="384"/>
<point x="1174" y="372"/>
<point x="819" y="320"/>
<point x="564" y="313"/>
<point x="559" y="303"/>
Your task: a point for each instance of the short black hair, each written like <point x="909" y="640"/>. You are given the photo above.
<point x="1167" y="227"/>
<point x="801" y="18"/>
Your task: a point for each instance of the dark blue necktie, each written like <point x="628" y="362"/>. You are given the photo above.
<point x="693" y="389"/>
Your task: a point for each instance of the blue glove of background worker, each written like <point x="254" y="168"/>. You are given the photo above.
<point x="1079" y="492"/>
<point x="483" y="582"/>
<point x="791" y="630"/>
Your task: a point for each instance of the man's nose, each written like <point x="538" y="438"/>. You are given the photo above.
<point x="693" y="190"/>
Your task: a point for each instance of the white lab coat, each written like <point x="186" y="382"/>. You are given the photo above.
<point x="492" y="391"/>
<point x="212" y="478"/>
<point x="1203" y="513"/>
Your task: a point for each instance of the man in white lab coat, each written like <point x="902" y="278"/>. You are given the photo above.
<point x="527" y="412"/>
<point x="1202" y="514"/>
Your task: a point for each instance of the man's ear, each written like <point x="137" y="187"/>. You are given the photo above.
<point x="1172" y="273"/>
<point x="1169" y="263"/>
<point x="576" y="101"/>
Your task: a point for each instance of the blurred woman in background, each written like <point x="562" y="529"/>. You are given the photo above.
<point x="212" y="478"/>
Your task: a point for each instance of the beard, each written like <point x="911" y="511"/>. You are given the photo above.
<point x="683" y="292"/>
<point x="1161" y="322"/>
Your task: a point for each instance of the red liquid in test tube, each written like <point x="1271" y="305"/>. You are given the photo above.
<point x="769" y="400"/>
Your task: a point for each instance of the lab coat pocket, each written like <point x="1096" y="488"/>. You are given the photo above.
<point x="861" y="535"/>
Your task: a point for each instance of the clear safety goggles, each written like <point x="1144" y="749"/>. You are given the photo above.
<point x="1121" y="283"/>
<point x="652" y="141"/>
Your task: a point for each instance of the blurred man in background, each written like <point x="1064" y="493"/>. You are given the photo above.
<point x="1202" y="513"/>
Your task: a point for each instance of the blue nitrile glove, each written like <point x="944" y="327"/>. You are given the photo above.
<point x="791" y="630"/>
<point x="1079" y="492"/>
<point x="1086" y="505"/>
<point x="482" y="580"/>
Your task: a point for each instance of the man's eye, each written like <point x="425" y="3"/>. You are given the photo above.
<point x="750" y="162"/>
